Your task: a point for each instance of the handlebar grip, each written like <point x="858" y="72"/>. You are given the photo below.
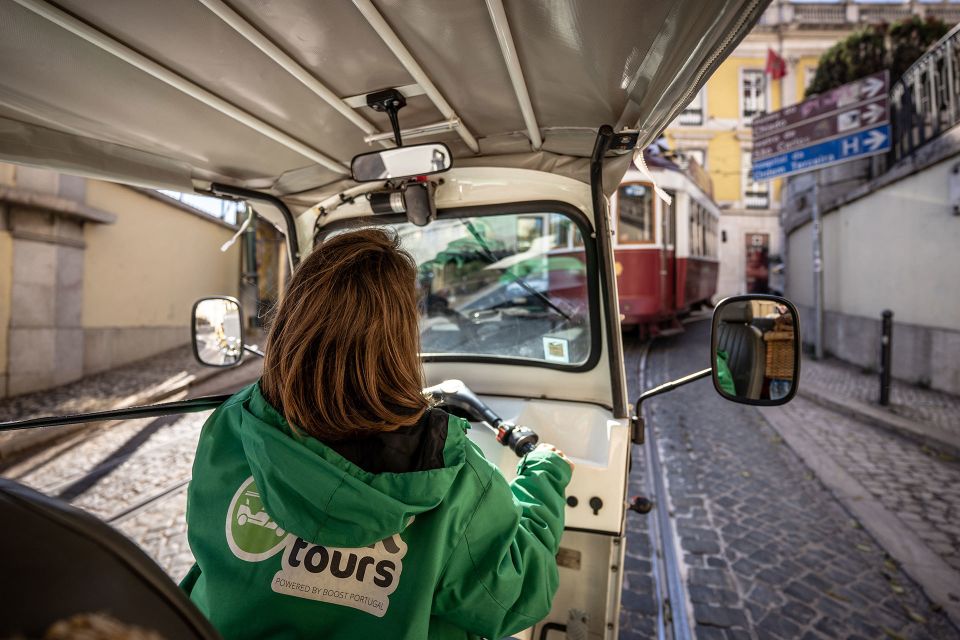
<point x="525" y="448"/>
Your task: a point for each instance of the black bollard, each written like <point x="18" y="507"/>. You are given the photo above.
<point x="886" y="345"/>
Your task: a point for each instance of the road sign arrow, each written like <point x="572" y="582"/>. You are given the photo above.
<point x="874" y="139"/>
<point x="873" y="112"/>
<point x="871" y="86"/>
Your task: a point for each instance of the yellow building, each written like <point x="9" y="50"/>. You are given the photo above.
<point x="715" y="127"/>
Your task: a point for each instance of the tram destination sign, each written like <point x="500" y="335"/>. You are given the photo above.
<point x="846" y="123"/>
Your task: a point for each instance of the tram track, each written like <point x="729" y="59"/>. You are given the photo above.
<point x="140" y="506"/>
<point x="673" y="608"/>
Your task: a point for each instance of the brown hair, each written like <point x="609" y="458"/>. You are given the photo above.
<point x="342" y="356"/>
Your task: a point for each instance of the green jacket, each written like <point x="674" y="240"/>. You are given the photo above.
<point x="450" y="552"/>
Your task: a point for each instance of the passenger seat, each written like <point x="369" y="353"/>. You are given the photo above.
<point x="746" y="351"/>
<point x="59" y="561"/>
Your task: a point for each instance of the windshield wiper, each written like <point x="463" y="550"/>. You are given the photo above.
<point x="491" y="258"/>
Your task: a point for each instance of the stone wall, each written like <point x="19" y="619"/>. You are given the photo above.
<point x="96" y="275"/>
<point x="927" y="356"/>
<point x="888" y="243"/>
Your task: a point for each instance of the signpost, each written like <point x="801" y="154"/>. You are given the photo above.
<point x="846" y="123"/>
<point x="843" y="124"/>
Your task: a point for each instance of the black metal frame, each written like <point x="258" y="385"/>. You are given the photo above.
<point x="606" y="136"/>
<point x="293" y="243"/>
<point x="193" y="332"/>
<point x="796" y="349"/>
<point x="205" y="403"/>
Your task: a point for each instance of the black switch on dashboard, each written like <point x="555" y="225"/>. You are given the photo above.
<point x="572" y="501"/>
<point x="596" y="504"/>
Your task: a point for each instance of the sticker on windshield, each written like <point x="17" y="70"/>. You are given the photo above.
<point x="361" y="578"/>
<point x="556" y="349"/>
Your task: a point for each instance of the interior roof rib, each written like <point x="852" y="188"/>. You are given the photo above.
<point x="376" y="21"/>
<point x="123" y="52"/>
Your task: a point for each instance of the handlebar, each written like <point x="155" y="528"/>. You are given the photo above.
<point x="454" y="393"/>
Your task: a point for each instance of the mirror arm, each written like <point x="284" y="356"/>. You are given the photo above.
<point x="254" y="350"/>
<point x="637" y="419"/>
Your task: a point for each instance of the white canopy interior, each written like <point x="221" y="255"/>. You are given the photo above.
<point x="268" y="94"/>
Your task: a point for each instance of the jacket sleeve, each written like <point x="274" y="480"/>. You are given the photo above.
<point x="502" y="574"/>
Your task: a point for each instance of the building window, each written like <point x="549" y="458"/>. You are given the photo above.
<point x="225" y="210"/>
<point x="753" y="93"/>
<point x="634" y="214"/>
<point x="694" y="113"/>
<point x="699" y="155"/>
<point x="756" y="195"/>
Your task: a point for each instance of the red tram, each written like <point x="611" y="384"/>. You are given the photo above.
<point x="666" y="255"/>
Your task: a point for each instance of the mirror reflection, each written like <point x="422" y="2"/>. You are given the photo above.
<point x="755" y="348"/>
<point x="401" y="162"/>
<point x="217" y="333"/>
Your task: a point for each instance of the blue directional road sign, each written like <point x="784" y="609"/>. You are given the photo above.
<point x="863" y="143"/>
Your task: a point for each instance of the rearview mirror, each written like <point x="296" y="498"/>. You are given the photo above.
<point x="217" y="331"/>
<point x="755" y="353"/>
<point x="401" y="162"/>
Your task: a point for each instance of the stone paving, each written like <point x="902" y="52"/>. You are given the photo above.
<point x="108" y="389"/>
<point x="111" y="470"/>
<point x="907" y="401"/>
<point x="768" y="551"/>
<point x="918" y="484"/>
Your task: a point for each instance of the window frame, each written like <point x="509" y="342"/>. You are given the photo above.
<point x="743" y="73"/>
<point x="653" y="216"/>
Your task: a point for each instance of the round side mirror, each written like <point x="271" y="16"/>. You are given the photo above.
<point x="755" y="353"/>
<point x="217" y="331"/>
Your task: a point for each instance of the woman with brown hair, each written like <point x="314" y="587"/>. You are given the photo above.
<point x="330" y="500"/>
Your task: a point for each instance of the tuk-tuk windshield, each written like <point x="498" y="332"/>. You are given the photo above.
<point x="512" y="286"/>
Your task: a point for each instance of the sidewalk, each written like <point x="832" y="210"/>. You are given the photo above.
<point x="166" y="376"/>
<point x="900" y="481"/>
<point x="930" y="417"/>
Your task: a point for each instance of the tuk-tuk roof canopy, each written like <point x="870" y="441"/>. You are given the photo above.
<point x="269" y="94"/>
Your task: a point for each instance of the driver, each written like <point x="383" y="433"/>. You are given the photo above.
<point x="329" y="500"/>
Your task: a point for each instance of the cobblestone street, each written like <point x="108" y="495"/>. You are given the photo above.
<point x="768" y="551"/>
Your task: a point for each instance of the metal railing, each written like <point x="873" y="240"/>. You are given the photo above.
<point x="925" y="101"/>
<point x="756" y="199"/>
<point x="848" y="14"/>
<point x="819" y="14"/>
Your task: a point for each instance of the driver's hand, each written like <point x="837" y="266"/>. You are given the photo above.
<point x="549" y="447"/>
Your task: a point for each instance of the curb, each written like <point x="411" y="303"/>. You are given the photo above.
<point x="935" y="577"/>
<point x="921" y="433"/>
<point x="20" y="442"/>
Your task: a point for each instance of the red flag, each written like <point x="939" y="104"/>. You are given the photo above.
<point x="776" y="66"/>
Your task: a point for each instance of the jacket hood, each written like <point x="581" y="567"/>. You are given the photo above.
<point x="314" y="492"/>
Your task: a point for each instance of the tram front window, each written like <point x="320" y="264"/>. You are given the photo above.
<point x="512" y="286"/>
<point x="635" y="214"/>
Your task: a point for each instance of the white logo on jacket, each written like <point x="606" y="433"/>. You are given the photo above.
<point x="362" y="578"/>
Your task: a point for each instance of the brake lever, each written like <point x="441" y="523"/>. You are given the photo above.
<point x="454" y="393"/>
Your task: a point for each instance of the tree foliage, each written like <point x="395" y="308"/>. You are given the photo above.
<point x="874" y="49"/>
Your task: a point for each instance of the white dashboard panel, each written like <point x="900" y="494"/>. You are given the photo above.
<point x="596" y="443"/>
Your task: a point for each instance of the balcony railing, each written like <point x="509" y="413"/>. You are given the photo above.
<point x="925" y="102"/>
<point x="820" y="14"/>
<point x="848" y="14"/>
<point x="691" y="116"/>
<point x="756" y="199"/>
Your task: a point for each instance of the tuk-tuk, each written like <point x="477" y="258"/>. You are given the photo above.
<point x="487" y="135"/>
